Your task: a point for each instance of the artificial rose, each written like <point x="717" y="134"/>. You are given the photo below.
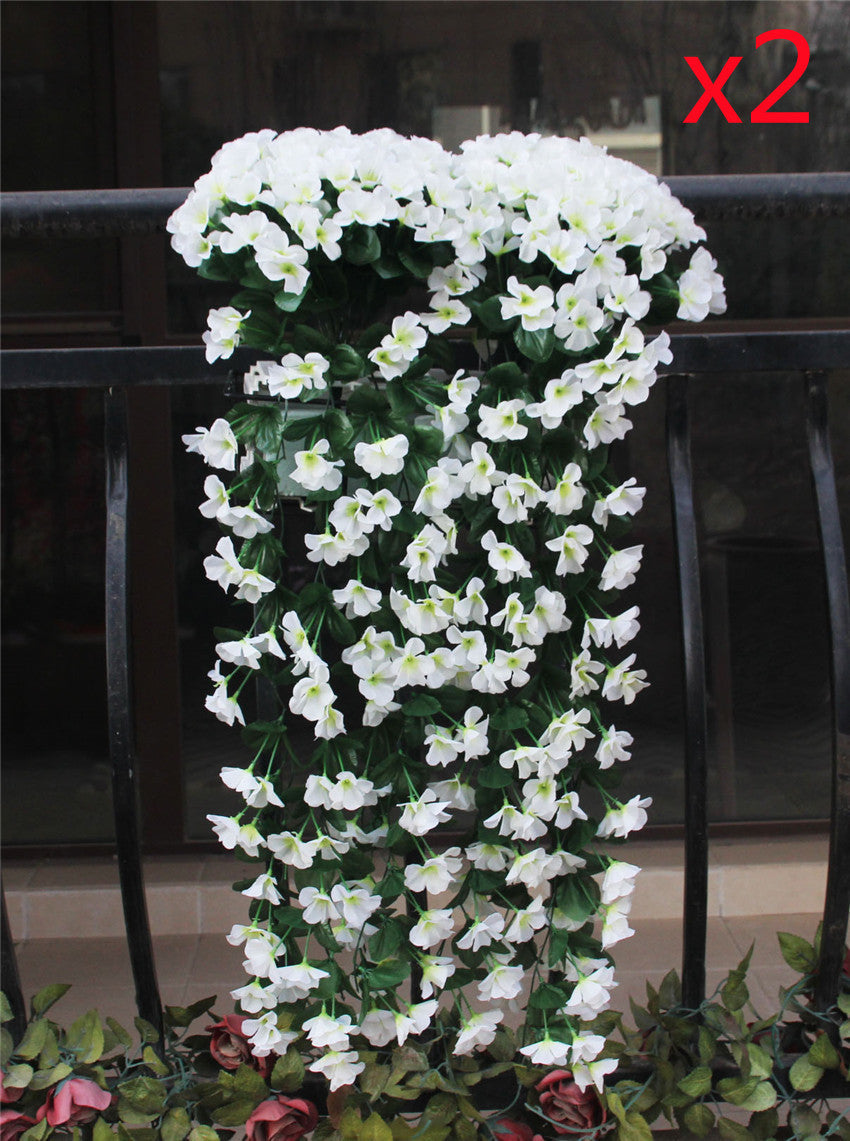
<point x="281" y="1119"/>
<point x="13" y="1124"/>
<point x="562" y="1100"/>
<point x="74" y="1102"/>
<point x="231" y="1049"/>
<point x="506" y="1129"/>
<point x="8" y="1093"/>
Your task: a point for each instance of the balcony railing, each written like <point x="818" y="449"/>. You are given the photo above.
<point x="811" y="354"/>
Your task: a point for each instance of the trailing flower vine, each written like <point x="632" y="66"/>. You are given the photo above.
<point x="448" y="345"/>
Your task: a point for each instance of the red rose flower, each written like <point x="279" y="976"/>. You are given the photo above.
<point x="562" y="1100"/>
<point x="231" y="1048"/>
<point x="74" y="1102"/>
<point x="281" y="1119"/>
<point x="13" y="1124"/>
<point x="506" y="1129"/>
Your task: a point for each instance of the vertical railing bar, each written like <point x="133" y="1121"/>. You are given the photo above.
<point x="11" y="982"/>
<point x="120" y="711"/>
<point x="695" y="908"/>
<point x="837" y="898"/>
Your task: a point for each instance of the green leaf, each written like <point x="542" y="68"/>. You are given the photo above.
<point x="844" y="1003"/>
<point x="37" y="1132"/>
<point x="288" y="1072"/>
<point x="537" y="344"/>
<point x="387" y="975"/>
<point x="804" y="1121"/>
<point x="697" y="1083"/>
<point x="388" y="940"/>
<point x="46" y="1078"/>
<point x="175" y="1125"/>
<point x="509" y="717"/>
<point x="144" y="1093"/>
<point x="797" y="953"/>
<point x="804" y="1076"/>
<point x="147" y="1032"/>
<point x="634" y="1128"/>
<point x="734" y="991"/>
<point x="494" y="776"/>
<point x="102" y="1130"/>
<point x="699" y="1119"/>
<point x="360" y="244"/>
<point x="203" y="1133"/>
<point x="338" y="428"/>
<point x="732" y="1131"/>
<point x="288" y="302"/>
<point x="248" y="1083"/>
<point x="347" y="363"/>
<point x="48" y="996"/>
<point x="85" y="1037"/>
<point x="763" y="1097"/>
<point x="234" y="1113"/>
<point x="120" y="1033"/>
<point x="670" y="991"/>
<point x="374" y="1128"/>
<point x="547" y="997"/>
<point x="822" y="1053"/>
<point x="424" y="705"/>
<point x="154" y="1062"/>
<point x="707" y="1044"/>
<point x="489" y="314"/>
<point x="33" y="1040"/>
<point x="6" y="1012"/>
<point x="763" y="1124"/>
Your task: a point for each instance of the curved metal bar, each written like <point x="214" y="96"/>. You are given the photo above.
<point x="695" y="911"/>
<point x="120" y="713"/>
<point x="837" y="901"/>
<point x="11" y="977"/>
<point x="118" y="212"/>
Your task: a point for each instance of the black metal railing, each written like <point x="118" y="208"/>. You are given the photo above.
<point x="811" y="354"/>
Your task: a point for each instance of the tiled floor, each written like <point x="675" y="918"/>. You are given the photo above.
<point x="190" y="967"/>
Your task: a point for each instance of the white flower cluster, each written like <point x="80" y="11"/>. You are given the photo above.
<point x="454" y="653"/>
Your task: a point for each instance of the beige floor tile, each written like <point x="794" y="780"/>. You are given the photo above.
<point x="221" y="869"/>
<point x="216" y="961"/>
<point x="58" y="915"/>
<point x="174" y="908"/>
<point x="172" y="869"/>
<point x="219" y="908"/>
<point x="91" y="873"/>
<point x="772" y="890"/>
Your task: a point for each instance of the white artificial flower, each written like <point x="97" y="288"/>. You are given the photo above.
<point x="534" y="307"/>
<point x="384" y="457"/>
<point x="620" y="568"/>
<point x="478" y="1030"/>
<point x="339" y="1067"/>
<point x="432" y="929"/>
<point x="501" y="422"/>
<point x="314" y="472"/>
<point x="621" y="819"/>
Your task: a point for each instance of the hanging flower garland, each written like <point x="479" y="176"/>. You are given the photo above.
<point x="460" y="650"/>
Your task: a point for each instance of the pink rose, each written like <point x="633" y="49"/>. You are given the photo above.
<point x="281" y="1119"/>
<point x="231" y="1048"/>
<point x="74" y="1102"/>
<point x="562" y="1100"/>
<point x="13" y="1124"/>
<point x="506" y="1129"/>
<point x="8" y="1093"/>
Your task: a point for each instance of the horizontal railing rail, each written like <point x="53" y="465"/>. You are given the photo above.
<point x="812" y="354"/>
<point x="119" y="212"/>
